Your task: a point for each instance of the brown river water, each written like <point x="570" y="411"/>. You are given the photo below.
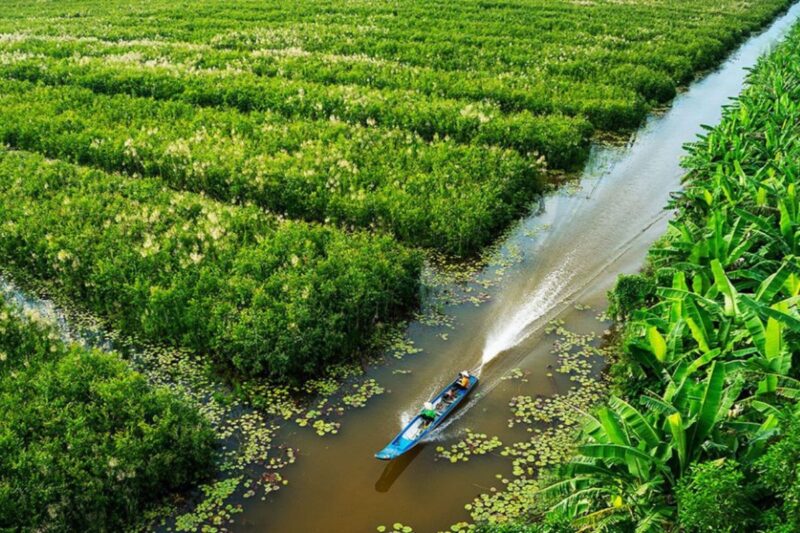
<point x="568" y="251"/>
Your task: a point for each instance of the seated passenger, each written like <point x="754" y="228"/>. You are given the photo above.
<point x="429" y="412"/>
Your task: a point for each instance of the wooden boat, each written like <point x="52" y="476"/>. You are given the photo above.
<point x="419" y="427"/>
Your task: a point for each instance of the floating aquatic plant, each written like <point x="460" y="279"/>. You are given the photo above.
<point x="473" y="444"/>
<point x="397" y="527"/>
<point x="362" y="393"/>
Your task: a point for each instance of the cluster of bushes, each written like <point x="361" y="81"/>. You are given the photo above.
<point x="702" y="434"/>
<point x="85" y="442"/>
<point x="271" y="297"/>
<point x="563" y="140"/>
<point x="606" y="105"/>
<point x="441" y="194"/>
<point x="756" y="494"/>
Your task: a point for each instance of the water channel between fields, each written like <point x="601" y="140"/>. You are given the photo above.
<point x="569" y="251"/>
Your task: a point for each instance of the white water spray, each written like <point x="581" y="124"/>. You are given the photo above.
<point x="512" y="330"/>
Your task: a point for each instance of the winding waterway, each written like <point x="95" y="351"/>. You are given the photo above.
<point x="592" y="233"/>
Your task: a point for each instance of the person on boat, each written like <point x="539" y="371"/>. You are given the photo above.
<point x="450" y="395"/>
<point x="463" y="380"/>
<point x="428" y="413"/>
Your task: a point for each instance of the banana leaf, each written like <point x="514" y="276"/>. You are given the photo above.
<point x="637" y="422"/>
<point x="709" y="406"/>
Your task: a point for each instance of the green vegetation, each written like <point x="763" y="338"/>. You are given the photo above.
<point x="85" y="442"/>
<point x="427" y="124"/>
<point x="715" y="496"/>
<point x="778" y="473"/>
<point x="560" y="138"/>
<point x="702" y="434"/>
<point x="284" y="299"/>
<point x="253" y="182"/>
<point x="438" y="194"/>
<point x="394" y="128"/>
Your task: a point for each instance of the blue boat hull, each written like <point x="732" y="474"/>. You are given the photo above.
<point x="417" y="429"/>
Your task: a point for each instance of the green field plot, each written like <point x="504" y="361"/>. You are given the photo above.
<point x="267" y="296"/>
<point x="444" y="195"/>
<point x="429" y="121"/>
<point x="85" y="442"/>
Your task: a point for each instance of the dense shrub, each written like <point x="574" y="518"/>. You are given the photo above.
<point x="85" y="442"/>
<point x="715" y="496"/>
<point x="779" y="473"/>
<point x="544" y="527"/>
<point x="551" y="523"/>
<point x="630" y="293"/>
<point x="270" y="297"/>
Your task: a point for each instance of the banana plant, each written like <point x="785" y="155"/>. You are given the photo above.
<point x="692" y="246"/>
<point x="717" y="316"/>
<point x="682" y="310"/>
<point x="620" y="475"/>
<point x="632" y="459"/>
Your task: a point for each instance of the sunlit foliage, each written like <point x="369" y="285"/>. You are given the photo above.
<point x="717" y="345"/>
<point x="85" y="442"/>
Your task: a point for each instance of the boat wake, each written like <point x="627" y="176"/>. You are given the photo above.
<point x="512" y="330"/>
<point x="556" y="291"/>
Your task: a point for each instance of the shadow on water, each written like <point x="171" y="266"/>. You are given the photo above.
<point x="395" y="468"/>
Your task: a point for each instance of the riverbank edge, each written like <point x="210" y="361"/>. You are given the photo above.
<point x="647" y="357"/>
